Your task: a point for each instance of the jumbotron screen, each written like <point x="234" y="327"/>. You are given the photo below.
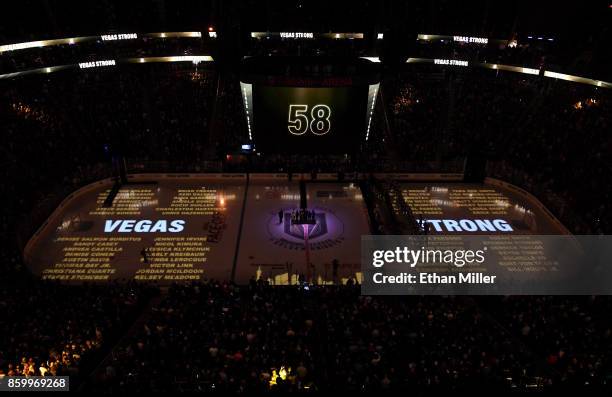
<point x="308" y="119"/>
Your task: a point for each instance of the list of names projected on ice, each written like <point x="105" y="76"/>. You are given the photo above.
<point x="192" y="202"/>
<point x="478" y="201"/>
<point x="178" y="230"/>
<point x="87" y="258"/>
<point x="127" y="202"/>
<point x="173" y="259"/>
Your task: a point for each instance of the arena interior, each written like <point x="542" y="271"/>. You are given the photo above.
<point x="188" y="186"/>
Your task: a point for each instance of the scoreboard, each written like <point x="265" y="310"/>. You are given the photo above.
<point x="304" y="119"/>
<point x="306" y="113"/>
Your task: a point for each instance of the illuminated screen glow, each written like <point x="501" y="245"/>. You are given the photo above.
<point x="307" y="119"/>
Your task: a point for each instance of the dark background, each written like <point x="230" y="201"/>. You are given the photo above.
<point x="271" y="112"/>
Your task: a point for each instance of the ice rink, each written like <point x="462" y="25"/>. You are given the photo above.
<point x="449" y="205"/>
<point x="182" y="228"/>
<point x="85" y="241"/>
<point x="276" y="250"/>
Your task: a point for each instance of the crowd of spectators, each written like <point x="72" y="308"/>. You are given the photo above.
<point x="545" y="135"/>
<point x="275" y="46"/>
<point x="216" y="336"/>
<point x="571" y="334"/>
<point x="60" y="132"/>
<point x="53" y="329"/>
<point x="69" y="127"/>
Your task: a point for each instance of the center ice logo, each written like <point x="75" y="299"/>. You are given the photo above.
<point x="327" y="232"/>
<point x="297" y="231"/>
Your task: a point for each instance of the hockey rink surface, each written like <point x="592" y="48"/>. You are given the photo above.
<point x="276" y="250"/>
<point x="477" y="209"/>
<point x="183" y="228"/>
<point x="161" y="230"/>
